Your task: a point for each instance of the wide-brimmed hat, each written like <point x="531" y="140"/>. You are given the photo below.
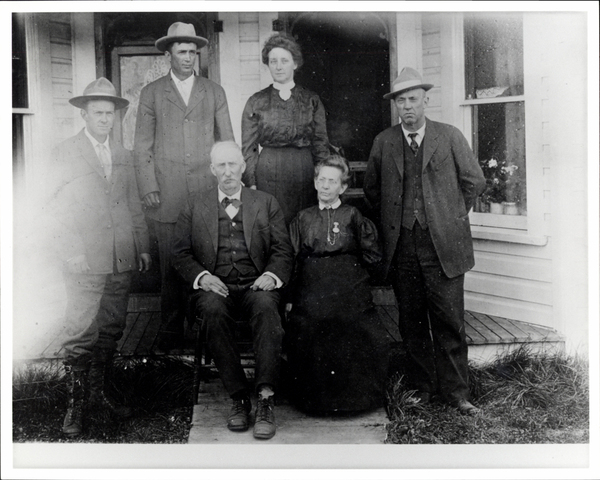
<point x="408" y="79"/>
<point x="182" y="33"/>
<point x="100" y="89"/>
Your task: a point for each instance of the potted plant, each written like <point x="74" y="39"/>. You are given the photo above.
<point x="498" y="175"/>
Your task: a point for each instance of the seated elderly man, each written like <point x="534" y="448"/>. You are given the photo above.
<point x="232" y="247"/>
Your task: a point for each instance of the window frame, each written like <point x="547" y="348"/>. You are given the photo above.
<point x="527" y="229"/>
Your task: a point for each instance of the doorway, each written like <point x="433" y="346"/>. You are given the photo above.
<point x="347" y="63"/>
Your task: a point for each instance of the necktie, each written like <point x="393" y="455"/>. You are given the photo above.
<point x="231" y="201"/>
<point x="103" y="155"/>
<point x="414" y="146"/>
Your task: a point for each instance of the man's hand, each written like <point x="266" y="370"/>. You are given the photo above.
<point x="144" y="262"/>
<point x="211" y="283"/>
<point x="152" y="200"/>
<point x="78" y="264"/>
<point x="264" y="282"/>
<point x="253" y="187"/>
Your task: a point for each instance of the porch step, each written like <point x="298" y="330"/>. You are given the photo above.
<point x="487" y="335"/>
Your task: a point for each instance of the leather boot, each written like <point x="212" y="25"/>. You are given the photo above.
<point x="99" y="396"/>
<point x="77" y="386"/>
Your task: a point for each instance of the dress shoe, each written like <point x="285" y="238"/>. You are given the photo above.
<point x="264" y="425"/>
<point x="238" y="415"/>
<point x="465" y="407"/>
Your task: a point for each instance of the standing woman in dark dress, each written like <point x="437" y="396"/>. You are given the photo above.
<point x="336" y="343"/>
<point x="288" y="122"/>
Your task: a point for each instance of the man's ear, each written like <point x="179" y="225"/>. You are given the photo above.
<point x="343" y="189"/>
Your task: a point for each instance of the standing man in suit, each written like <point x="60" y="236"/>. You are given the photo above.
<point x="179" y="118"/>
<point x="421" y="180"/>
<point x="232" y="247"/>
<point x="101" y="235"/>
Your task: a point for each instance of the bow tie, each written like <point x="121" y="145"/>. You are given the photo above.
<point x="231" y="201"/>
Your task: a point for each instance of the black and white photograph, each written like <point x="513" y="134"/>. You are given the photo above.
<point x="290" y="239"/>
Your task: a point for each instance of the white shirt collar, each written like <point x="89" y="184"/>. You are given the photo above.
<point x="420" y="134"/>
<point x="237" y="195"/>
<point x="95" y="142"/>
<point x="187" y="82"/>
<point x="334" y="205"/>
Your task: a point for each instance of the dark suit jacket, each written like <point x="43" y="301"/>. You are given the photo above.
<point x="197" y="235"/>
<point x="172" y="142"/>
<point x="90" y="215"/>
<point x="452" y="180"/>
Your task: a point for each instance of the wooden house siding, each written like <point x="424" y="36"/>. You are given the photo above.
<point x="242" y="71"/>
<point x="61" y="74"/>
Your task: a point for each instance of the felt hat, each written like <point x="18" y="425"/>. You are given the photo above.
<point x="100" y="89"/>
<point x="408" y="79"/>
<point x="182" y="33"/>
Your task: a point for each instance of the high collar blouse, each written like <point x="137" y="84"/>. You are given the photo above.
<point x="270" y="121"/>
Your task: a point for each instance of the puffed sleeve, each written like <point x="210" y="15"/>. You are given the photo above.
<point x="250" y="134"/>
<point x="368" y="238"/>
<point x="320" y="141"/>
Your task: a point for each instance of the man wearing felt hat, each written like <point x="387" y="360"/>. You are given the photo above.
<point x="421" y="181"/>
<point x="100" y="234"/>
<point x="180" y="117"/>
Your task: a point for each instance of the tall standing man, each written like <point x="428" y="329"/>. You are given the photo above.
<point x="233" y="249"/>
<point x="180" y="117"/>
<point x="421" y="180"/>
<point x="101" y="235"/>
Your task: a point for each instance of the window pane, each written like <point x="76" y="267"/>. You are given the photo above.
<point x="500" y="147"/>
<point x="494" y="55"/>
<point x="19" y="62"/>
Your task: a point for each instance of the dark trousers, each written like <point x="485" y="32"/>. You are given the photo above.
<point x="95" y="315"/>
<point x="431" y="321"/>
<point x="219" y="315"/>
<point x="173" y="294"/>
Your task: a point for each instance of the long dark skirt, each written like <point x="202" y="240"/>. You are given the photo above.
<point x="287" y="174"/>
<point x="337" y="346"/>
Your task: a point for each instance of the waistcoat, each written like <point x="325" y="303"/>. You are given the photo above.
<point x="233" y="251"/>
<point x="412" y="183"/>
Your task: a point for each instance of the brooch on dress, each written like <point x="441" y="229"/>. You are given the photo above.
<point x="335" y="229"/>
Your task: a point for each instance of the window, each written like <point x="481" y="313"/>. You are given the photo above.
<point x="20" y="97"/>
<point x="494" y="88"/>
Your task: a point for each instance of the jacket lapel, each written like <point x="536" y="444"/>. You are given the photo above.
<point x="211" y="217"/>
<point x="87" y="151"/>
<point x="172" y="94"/>
<point x="398" y="150"/>
<point x="430" y="142"/>
<point x="198" y="93"/>
<point x="249" y="212"/>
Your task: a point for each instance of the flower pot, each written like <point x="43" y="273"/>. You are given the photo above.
<point x="510" y="208"/>
<point x="496" y="208"/>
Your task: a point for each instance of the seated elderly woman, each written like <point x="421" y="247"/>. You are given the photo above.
<point x="337" y="346"/>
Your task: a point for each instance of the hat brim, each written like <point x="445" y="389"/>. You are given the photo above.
<point x="424" y="86"/>
<point x="81" y="102"/>
<point x="162" y="43"/>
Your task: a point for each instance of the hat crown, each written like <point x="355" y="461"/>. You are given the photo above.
<point x="408" y="79"/>
<point x="101" y="86"/>
<point x="180" y="29"/>
<point x="408" y="75"/>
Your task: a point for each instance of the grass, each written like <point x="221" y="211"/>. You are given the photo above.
<point x="159" y="390"/>
<point x="526" y="398"/>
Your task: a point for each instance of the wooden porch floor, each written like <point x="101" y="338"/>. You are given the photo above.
<point x="487" y="335"/>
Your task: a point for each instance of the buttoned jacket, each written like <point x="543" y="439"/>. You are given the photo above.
<point x="196" y="239"/>
<point x="90" y="215"/>
<point x="173" y="141"/>
<point x="451" y="178"/>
